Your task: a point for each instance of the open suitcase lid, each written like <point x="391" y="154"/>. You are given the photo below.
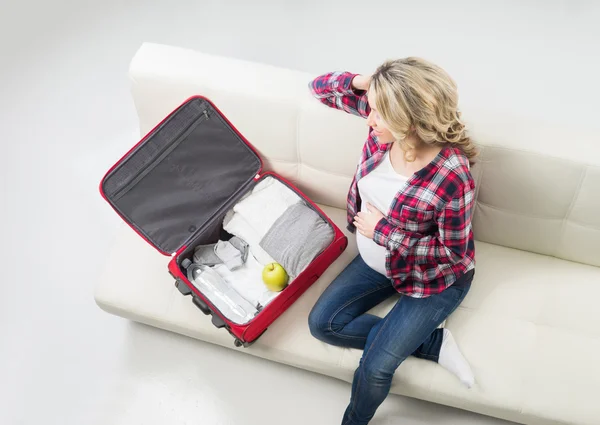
<point x="181" y="175"/>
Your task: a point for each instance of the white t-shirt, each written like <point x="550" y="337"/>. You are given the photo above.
<point x="379" y="188"/>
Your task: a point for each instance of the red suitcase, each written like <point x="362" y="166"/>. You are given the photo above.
<point x="174" y="188"/>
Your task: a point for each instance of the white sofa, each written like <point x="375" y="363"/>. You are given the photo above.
<point x="529" y="326"/>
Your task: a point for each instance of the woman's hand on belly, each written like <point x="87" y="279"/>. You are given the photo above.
<point x="365" y="222"/>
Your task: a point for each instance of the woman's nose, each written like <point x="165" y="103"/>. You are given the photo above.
<point x="370" y="120"/>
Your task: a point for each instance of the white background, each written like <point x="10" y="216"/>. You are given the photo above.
<point x="66" y="116"/>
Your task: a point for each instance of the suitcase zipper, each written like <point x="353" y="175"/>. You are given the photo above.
<point x="162" y="154"/>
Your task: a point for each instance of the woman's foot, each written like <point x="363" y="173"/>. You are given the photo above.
<point x="452" y="360"/>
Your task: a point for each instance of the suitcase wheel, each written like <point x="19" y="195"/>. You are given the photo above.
<point x="238" y="343"/>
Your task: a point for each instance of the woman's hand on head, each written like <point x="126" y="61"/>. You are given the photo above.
<point x="361" y="82"/>
<point x="365" y="222"/>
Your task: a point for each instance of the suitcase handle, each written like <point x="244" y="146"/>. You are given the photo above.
<point x="199" y="302"/>
<point x="216" y="320"/>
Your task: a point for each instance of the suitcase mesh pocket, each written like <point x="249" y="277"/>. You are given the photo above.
<point x="156" y="143"/>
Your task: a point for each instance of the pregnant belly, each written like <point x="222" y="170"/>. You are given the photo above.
<point x="372" y="253"/>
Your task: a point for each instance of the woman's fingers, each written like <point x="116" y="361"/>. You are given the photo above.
<point x="358" y="224"/>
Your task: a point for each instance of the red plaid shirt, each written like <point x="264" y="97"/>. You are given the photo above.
<point x="427" y="231"/>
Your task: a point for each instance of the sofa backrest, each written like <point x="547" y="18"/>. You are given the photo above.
<point x="538" y="185"/>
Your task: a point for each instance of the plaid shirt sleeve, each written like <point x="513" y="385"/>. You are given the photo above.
<point x="447" y="246"/>
<point x="335" y="90"/>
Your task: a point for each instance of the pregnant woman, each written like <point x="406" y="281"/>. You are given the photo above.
<point x="411" y="203"/>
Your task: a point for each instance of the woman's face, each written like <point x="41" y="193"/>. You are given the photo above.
<point x="374" y="120"/>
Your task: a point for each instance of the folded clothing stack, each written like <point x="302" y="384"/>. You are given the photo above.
<point x="279" y="227"/>
<point x="268" y="201"/>
<point x="297" y="237"/>
<point x="273" y="224"/>
<point x="253" y="216"/>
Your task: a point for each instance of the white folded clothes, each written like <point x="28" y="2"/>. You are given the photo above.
<point x="237" y="225"/>
<point x="268" y="201"/>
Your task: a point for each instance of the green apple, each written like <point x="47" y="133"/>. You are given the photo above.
<point x="275" y="277"/>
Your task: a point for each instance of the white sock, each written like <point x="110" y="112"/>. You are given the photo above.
<point x="452" y="360"/>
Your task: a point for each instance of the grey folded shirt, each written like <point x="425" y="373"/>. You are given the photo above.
<point x="233" y="253"/>
<point x="296" y="238"/>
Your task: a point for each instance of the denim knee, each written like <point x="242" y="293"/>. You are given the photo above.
<point x="318" y="324"/>
<point x="376" y="373"/>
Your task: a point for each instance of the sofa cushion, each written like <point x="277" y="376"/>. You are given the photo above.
<point x="538" y="203"/>
<point x="527" y="327"/>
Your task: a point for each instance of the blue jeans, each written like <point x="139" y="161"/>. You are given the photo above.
<point x="410" y="328"/>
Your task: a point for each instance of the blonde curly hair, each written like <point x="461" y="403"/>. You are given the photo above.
<point x="414" y="96"/>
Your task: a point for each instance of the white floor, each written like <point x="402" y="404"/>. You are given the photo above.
<point x="66" y="115"/>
